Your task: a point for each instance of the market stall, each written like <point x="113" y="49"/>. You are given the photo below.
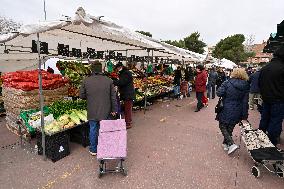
<point x="84" y="37"/>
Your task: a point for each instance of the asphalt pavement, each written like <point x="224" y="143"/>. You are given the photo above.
<point x="170" y="146"/>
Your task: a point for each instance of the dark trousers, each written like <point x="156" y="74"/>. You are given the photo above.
<point x="128" y="112"/>
<point x="227" y="132"/>
<point x="211" y="89"/>
<point x="199" y="100"/>
<point x="271" y="120"/>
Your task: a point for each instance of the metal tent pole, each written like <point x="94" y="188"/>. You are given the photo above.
<point x="41" y="99"/>
<point x="146" y="88"/>
<point x="126" y="57"/>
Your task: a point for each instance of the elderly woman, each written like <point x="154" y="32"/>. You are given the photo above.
<point x="234" y="93"/>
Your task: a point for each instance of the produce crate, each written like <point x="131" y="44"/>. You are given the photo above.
<point x="80" y="134"/>
<point x="56" y="146"/>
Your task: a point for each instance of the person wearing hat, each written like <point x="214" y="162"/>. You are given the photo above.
<point x="126" y="90"/>
<point x="99" y="92"/>
<point x="200" y="86"/>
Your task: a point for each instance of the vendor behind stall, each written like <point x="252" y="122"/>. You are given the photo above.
<point x="126" y="90"/>
<point x="99" y="92"/>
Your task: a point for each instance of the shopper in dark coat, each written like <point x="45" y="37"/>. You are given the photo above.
<point x="99" y="92"/>
<point x="234" y="92"/>
<point x="200" y="85"/>
<point x="211" y="85"/>
<point x="254" y="89"/>
<point x="221" y="77"/>
<point x="188" y="79"/>
<point x="177" y="81"/>
<point x="126" y="90"/>
<point x="271" y="83"/>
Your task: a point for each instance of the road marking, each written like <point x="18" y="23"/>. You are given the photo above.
<point x="60" y="178"/>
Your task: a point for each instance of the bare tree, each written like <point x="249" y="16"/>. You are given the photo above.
<point x="249" y="42"/>
<point x="8" y="25"/>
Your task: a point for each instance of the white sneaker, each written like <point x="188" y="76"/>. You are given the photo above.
<point x="93" y="153"/>
<point x="226" y="147"/>
<point x="232" y="148"/>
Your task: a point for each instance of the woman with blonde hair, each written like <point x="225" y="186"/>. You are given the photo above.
<point x="234" y="93"/>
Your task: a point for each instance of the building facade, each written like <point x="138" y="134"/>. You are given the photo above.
<point x="260" y="56"/>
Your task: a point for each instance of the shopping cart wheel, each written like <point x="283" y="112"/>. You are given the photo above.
<point x="255" y="171"/>
<point x="100" y="173"/>
<point x="124" y="172"/>
<point x="279" y="169"/>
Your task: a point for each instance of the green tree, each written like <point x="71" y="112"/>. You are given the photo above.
<point x="145" y="33"/>
<point x="193" y="43"/>
<point x="232" y="48"/>
<point x="179" y="43"/>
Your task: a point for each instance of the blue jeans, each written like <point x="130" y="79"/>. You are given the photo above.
<point x="176" y="90"/>
<point x="271" y="120"/>
<point x="93" y="136"/>
<point x="211" y="88"/>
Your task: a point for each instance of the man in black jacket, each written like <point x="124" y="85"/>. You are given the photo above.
<point x="271" y="83"/>
<point x="126" y="90"/>
<point x="177" y="81"/>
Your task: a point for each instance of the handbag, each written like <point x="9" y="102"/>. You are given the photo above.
<point x="220" y="106"/>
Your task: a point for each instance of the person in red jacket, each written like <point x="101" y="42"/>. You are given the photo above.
<point x="200" y="86"/>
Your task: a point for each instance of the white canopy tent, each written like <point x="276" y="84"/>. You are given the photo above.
<point x="224" y="63"/>
<point x="81" y="32"/>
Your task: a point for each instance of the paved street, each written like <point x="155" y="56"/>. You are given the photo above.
<point x="169" y="147"/>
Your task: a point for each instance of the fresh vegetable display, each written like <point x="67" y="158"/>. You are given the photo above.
<point x="66" y="121"/>
<point x="75" y="72"/>
<point x="31" y="116"/>
<point x="28" y="80"/>
<point x="62" y="107"/>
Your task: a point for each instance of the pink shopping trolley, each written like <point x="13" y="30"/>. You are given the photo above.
<point x="112" y="145"/>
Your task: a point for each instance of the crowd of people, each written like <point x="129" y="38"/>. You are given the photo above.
<point x="238" y="90"/>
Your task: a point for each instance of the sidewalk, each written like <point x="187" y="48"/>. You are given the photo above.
<point x="169" y="147"/>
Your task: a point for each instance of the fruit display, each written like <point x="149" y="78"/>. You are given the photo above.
<point x="155" y="85"/>
<point x="66" y="121"/>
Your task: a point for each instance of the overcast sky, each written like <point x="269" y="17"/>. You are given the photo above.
<point x="165" y="19"/>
